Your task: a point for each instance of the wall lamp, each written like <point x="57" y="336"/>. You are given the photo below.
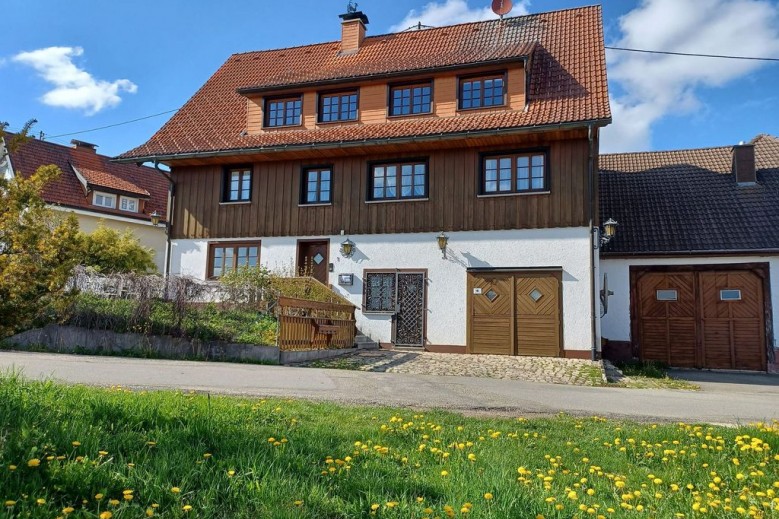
<point x="442" y="240"/>
<point x="347" y="248"/>
<point x="608" y="232"/>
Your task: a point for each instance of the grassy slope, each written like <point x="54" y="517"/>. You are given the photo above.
<point x="197" y="441"/>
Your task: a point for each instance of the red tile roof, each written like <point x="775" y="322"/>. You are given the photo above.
<point x="100" y="173"/>
<point x="567" y="83"/>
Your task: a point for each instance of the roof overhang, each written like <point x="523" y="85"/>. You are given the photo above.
<point x="360" y="143"/>
<point x="694" y="253"/>
<point x="281" y="87"/>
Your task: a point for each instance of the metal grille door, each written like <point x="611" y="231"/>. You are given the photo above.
<point x="410" y="317"/>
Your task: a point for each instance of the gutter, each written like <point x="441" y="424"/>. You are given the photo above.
<point x="168" y="217"/>
<point x="357" y="144"/>
<point x="703" y="252"/>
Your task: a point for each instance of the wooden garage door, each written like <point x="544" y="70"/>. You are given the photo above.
<point x="515" y="313"/>
<point x="702" y="318"/>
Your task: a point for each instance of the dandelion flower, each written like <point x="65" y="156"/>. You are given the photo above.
<point x="175" y="490"/>
<point x="11" y="467"/>
<point x="35" y="462"/>
<point x="76" y="444"/>
<point x="207" y="455"/>
<point x="106" y="515"/>
<point x="68" y="510"/>
<point x="488" y="496"/>
<point x="149" y="512"/>
<point x="298" y="503"/>
<point x="103" y="453"/>
<point x="186" y="508"/>
<point x="375" y="506"/>
<point x="10" y="503"/>
<point x="114" y="502"/>
<point x="444" y="473"/>
<point x="40" y="501"/>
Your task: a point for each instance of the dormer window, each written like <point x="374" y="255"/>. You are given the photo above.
<point x="106" y="200"/>
<point x="341" y="106"/>
<point x="128" y="204"/>
<point x="283" y="111"/>
<point x="411" y="99"/>
<point x="482" y="91"/>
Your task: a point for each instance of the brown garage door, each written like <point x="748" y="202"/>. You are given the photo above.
<point x="701" y="318"/>
<point x="514" y="313"/>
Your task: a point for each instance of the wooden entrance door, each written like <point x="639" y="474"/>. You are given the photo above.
<point x="514" y="313"/>
<point x="313" y="259"/>
<point x="732" y="326"/>
<point x="703" y="318"/>
<point x="409" y="326"/>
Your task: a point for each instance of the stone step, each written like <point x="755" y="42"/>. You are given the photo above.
<point x="364" y="342"/>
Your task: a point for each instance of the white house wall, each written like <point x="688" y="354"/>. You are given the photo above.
<point x="568" y="248"/>
<point x="615" y="325"/>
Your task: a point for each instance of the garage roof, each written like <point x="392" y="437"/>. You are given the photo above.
<point x="688" y="201"/>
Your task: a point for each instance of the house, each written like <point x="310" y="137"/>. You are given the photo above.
<point x="442" y="179"/>
<point x="695" y="265"/>
<point x="121" y="196"/>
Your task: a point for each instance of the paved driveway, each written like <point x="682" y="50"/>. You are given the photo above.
<point x="716" y="403"/>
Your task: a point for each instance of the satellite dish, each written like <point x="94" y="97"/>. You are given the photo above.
<point x="501" y="7"/>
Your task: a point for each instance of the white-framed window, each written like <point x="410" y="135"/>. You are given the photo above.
<point x="128" y="204"/>
<point x="104" y="200"/>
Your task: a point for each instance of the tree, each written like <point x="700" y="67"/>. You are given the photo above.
<point x="38" y="248"/>
<point x="107" y="250"/>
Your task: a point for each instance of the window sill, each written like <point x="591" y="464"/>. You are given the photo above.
<point x="396" y="200"/>
<point x="406" y="116"/>
<point x="345" y="121"/>
<point x="283" y="127"/>
<point x="524" y="193"/>
<point x="237" y="202"/>
<point x="316" y="205"/>
<point x="483" y="108"/>
<point x="388" y="313"/>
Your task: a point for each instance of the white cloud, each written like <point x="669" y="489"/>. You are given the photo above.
<point x="73" y="86"/>
<point x="450" y="12"/>
<point x="656" y="85"/>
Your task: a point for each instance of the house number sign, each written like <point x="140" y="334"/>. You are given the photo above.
<point x="477" y="291"/>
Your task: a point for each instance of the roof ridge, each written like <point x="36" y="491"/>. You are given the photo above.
<point x="406" y="31"/>
<point x="624" y="153"/>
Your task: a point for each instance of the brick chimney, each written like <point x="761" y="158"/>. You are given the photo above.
<point x="84" y="146"/>
<point x="352" y="30"/>
<point x="744" y="164"/>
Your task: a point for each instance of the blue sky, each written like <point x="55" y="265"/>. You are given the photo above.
<point x="124" y="60"/>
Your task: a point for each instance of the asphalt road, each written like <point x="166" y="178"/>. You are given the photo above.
<point x="722" y="399"/>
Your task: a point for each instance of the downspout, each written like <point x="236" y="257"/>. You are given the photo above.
<point x="593" y="237"/>
<point x="168" y="216"/>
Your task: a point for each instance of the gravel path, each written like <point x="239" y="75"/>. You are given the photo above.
<point x="534" y="369"/>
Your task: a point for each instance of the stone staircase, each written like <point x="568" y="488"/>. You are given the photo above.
<point x="363" y="342"/>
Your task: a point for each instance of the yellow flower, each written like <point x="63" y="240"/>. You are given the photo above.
<point x="472" y="457"/>
<point x="392" y="504"/>
<point x="10" y="503"/>
<point x="375" y="506"/>
<point x="76" y="444"/>
<point x="428" y="511"/>
<point x="298" y="503"/>
<point x="106" y="515"/>
<point x="35" y="462"/>
<point x="488" y="496"/>
<point x="186" y="508"/>
<point x="572" y="495"/>
<point x="149" y="512"/>
<point x="113" y="502"/>
<point x="11" y="467"/>
<point x="98" y="496"/>
<point x="175" y="490"/>
<point x="444" y="473"/>
<point x="207" y="455"/>
<point x="40" y="501"/>
<point x="420" y="499"/>
<point x="230" y="473"/>
<point x="465" y="510"/>
<point x="68" y="510"/>
<point x="103" y="453"/>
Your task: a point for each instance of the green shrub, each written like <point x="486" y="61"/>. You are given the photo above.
<point x="108" y="250"/>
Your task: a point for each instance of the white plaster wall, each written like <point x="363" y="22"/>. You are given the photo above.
<point x="566" y="247"/>
<point x="616" y="323"/>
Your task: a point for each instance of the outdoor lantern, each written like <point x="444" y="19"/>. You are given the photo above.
<point x="155" y="218"/>
<point x="610" y="228"/>
<point x="347" y="248"/>
<point x="443" y="240"/>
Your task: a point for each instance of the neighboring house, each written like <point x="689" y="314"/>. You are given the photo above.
<point x="121" y="196"/>
<point x="695" y="265"/>
<point x="442" y="179"/>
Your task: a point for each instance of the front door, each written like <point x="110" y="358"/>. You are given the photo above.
<point x="410" y="317"/>
<point x="313" y="259"/>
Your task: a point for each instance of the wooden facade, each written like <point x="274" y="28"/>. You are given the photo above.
<point x="453" y="203"/>
<point x="373" y="99"/>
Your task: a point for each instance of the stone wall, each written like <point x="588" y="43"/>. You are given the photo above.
<point x="69" y="339"/>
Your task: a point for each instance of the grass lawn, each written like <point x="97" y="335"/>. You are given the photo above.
<point x="88" y="452"/>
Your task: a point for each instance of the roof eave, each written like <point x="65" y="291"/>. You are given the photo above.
<point x="349" y="144"/>
<point x="385" y="75"/>
<point x="702" y="252"/>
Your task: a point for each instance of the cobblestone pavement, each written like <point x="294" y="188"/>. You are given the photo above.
<point x="534" y="369"/>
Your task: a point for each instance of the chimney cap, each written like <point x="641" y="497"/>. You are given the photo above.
<point x="82" y="144"/>
<point x="354" y="15"/>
